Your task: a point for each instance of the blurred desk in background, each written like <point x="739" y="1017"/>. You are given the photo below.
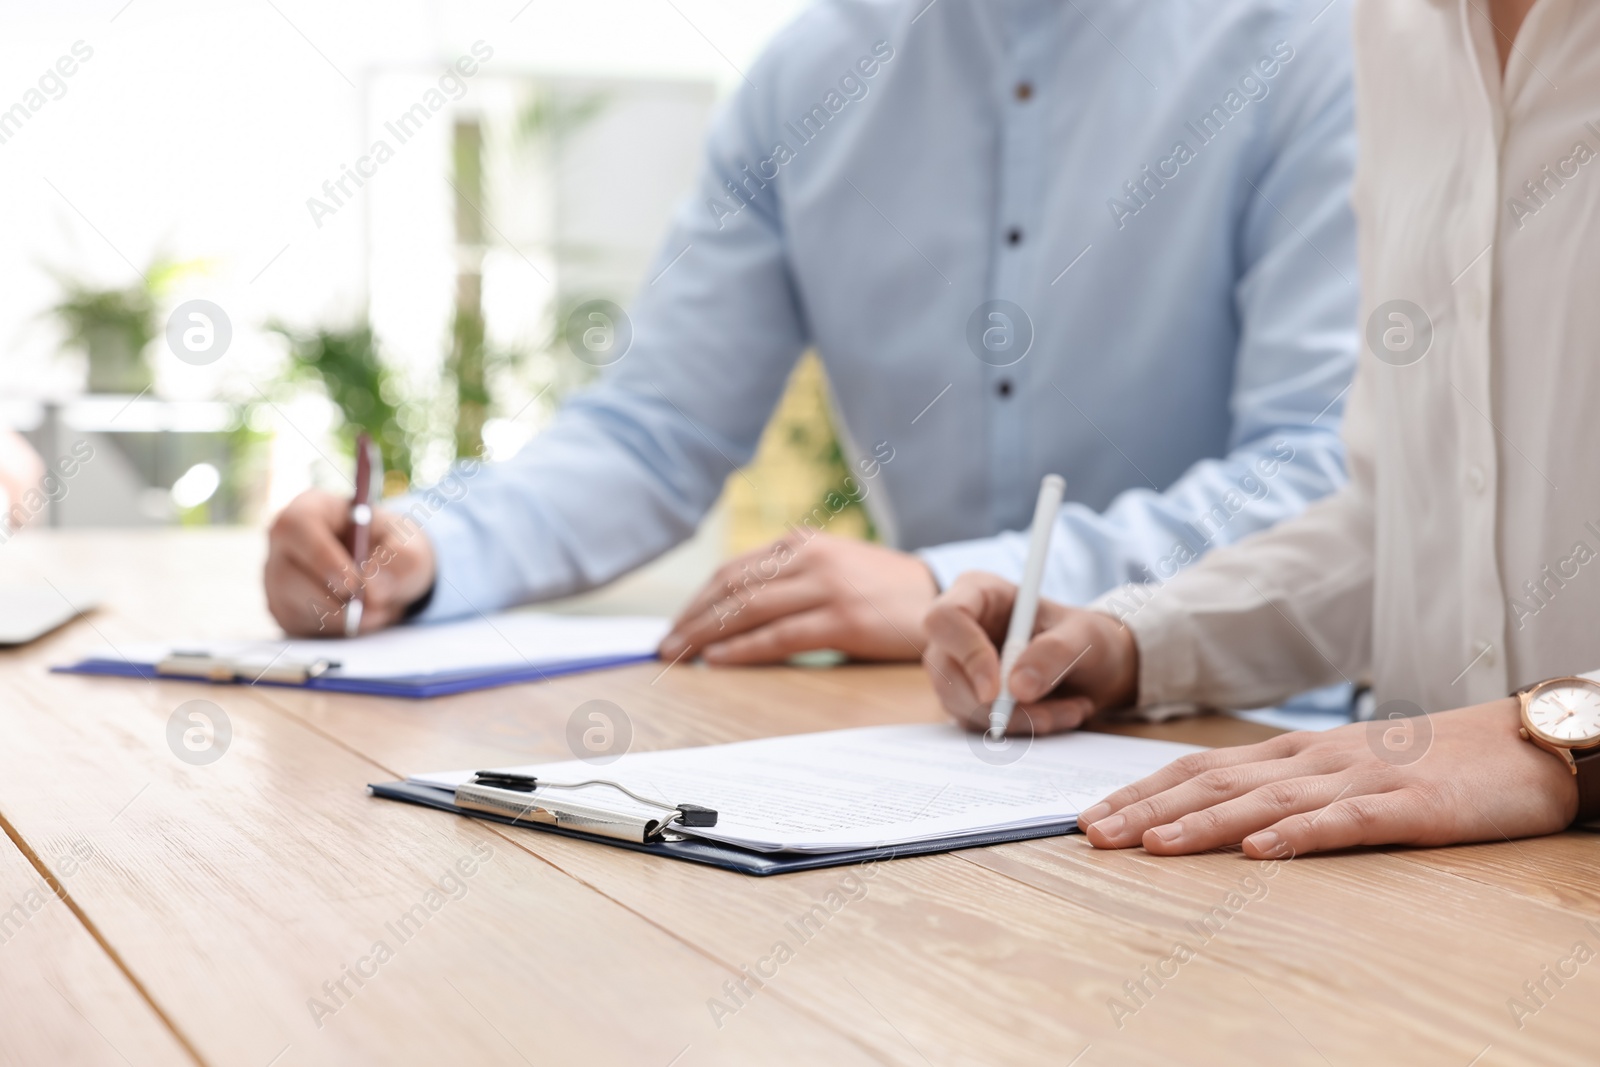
<point x="261" y="909"/>
<point x="128" y="461"/>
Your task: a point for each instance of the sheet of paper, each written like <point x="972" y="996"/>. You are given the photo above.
<point x="512" y="639"/>
<point x="871" y="787"/>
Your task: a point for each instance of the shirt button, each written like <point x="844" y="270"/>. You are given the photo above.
<point x="1003" y="388"/>
<point x="1024" y="90"/>
<point x="1486" y="650"/>
<point x="1476" y="479"/>
<point x="1013" y="236"/>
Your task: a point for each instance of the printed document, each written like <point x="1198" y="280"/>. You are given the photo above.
<point x="872" y="787"/>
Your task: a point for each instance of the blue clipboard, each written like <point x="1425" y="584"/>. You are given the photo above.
<point x="410" y="686"/>
<point x="716" y="854"/>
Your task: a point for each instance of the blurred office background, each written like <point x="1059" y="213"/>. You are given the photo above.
<point x="429" y="304"/>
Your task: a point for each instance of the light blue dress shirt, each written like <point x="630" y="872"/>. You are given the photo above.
<point x="1158" y="194"/>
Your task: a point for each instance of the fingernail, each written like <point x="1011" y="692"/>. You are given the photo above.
<point x="1112" y="827"/>
<point x="1095" y="814"/>
<point x="1025" y="683"/>
<point x="1265" y="842"/>
<point x="1169" y="833"/>
<point x="671" y="648"/>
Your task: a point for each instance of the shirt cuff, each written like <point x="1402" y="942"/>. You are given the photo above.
<point x="1169" y="664"/>
<point x="950" y="561"/>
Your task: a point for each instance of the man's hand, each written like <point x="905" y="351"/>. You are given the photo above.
<point x="795" y="595"/>
<point x="1077" y="663"/>
<point x="1476" y="780"/>
<point x="310" y="575"/>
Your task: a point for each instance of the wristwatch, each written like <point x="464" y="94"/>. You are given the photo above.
<point x="1562" y="716"/>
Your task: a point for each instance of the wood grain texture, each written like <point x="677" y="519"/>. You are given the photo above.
<point x="241" y="894"/>
<point x="233" y="891"/>
<point x="1334" y="956"/>
<point x="66" y="1001"/>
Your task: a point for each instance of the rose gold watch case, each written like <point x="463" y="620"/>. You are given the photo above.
<point x="1557" y="745"/>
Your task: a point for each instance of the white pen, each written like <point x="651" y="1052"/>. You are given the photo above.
<point x="1027" y="604"/>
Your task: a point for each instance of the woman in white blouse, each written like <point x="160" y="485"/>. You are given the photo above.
<point x="1463" y="559"/>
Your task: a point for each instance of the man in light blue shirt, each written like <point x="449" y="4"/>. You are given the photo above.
<point x="1104" y="239"/>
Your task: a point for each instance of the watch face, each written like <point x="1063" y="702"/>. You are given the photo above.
<point x="1567" y="714"/>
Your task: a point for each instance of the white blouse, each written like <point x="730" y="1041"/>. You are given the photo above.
<point x="1463" y="559"/>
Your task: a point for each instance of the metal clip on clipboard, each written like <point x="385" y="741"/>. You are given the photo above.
<point x="180" y="664"/>
<point x="513" y="796"/>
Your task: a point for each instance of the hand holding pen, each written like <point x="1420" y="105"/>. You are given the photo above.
<point x="1058" y="665"/>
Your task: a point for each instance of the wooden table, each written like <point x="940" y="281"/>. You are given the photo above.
<point x="229" y="913"/>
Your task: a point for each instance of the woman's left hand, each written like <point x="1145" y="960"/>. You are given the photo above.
<point x="1465" y="775"/>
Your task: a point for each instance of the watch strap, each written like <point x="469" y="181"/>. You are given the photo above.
<point x="1588" y="765"/>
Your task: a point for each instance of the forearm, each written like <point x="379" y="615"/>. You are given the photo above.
<point x="630" y="466"/>
<point x="619" y="478"/>
<point x="1253" y="624"/>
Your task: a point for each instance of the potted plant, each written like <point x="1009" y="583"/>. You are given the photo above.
<point x="348" y="365"/>
<point x="114" y="326"/>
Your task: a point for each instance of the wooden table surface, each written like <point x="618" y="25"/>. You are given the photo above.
<point x="232" y="913"/>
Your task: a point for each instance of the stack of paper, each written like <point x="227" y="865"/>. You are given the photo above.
<point x="869" y="788"/>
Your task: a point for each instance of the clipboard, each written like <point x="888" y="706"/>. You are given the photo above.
<point x="414" y="662"/>
<point x="716" y="854"/>
<point x="324" y="675"/>
<point x="805" y="801"/>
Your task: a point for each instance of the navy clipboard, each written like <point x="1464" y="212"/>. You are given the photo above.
<point x="727" y="857"/>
